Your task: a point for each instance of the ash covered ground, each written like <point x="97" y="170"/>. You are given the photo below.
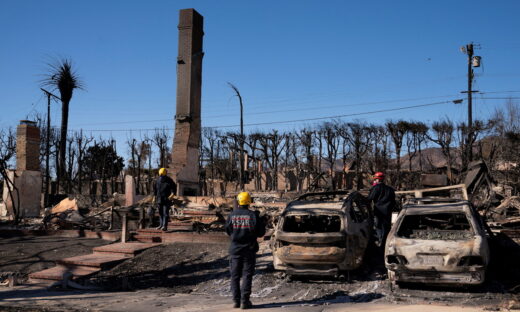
<point x="21" y="255"/>
<point x="203" y="269"/>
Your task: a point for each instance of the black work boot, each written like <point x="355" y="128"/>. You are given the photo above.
<point x="246" y="304"/>
<point x="236" y="304"/>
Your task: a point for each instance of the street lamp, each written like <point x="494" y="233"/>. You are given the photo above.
<point x="241" y="175"/>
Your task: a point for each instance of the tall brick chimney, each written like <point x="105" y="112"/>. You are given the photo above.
<point x="185" y="153"/>
<point x="27" y="146"/>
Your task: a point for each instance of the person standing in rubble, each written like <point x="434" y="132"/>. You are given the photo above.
<point x="383" y="198"/>
<point x="244" y="226"/>
<point x="164" y="187"/>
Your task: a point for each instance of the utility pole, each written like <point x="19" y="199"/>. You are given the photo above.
<point x="469" y="52"/>
<point x="473" y="61"/>
<point x="241" y="175"/>
<point x="48" y="145"/>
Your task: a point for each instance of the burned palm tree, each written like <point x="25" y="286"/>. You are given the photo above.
<point x="64" y="78"/>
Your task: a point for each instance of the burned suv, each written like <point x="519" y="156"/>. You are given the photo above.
<point x="437" y="241"/>
<point x="322" y="234"/>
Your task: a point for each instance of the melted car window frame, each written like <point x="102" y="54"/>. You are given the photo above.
<point x="289" y="227"/>
<point x="422" y="226"/>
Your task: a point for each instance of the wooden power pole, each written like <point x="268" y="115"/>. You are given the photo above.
<point x="48" y="145"/>
<point x="473" y="61"/>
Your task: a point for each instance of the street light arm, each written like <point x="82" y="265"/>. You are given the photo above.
<point x="241" y="135"/>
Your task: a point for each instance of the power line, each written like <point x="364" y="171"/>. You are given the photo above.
<point x="500" y="98"/>
<point x="280" y="111"/>
<point x="338" y="116"/>
<point x="125" y="122"/>
<point x="287" y="121"/>
<point x="485" y="92"/>
<point x="288" y="110"/>
<point x="343" y="105"/>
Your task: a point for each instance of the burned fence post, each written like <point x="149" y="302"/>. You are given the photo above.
<point x="124" y="231"/>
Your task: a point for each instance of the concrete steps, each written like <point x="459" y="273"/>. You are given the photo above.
<point x="147" y="238"/>
<point x="149" y="235"/>
<point x="102" y="258"/>
<point x="181" y="222"/>
<point x="155" y="236"/>
<point x="96" y="260"/>
<point x="56" y="273"/>
<point x="172" y="236"/>
<point x="131" y="248"/>
<point x="180" y="226"/>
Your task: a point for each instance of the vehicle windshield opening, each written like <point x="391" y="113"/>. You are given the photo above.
<point x="444" y="226"/>
<point x="312" y="224"/>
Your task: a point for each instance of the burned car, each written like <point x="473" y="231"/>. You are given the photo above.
<point x="322" y="234"/>
<point x="437" y="241"/>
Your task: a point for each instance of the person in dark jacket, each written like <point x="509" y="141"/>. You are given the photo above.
<point x="164" y="187"/>
<point x="244" y="226"/>
<point x="383" y="198"/>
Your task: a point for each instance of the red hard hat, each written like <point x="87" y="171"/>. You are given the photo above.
<point x="379" y="175"/>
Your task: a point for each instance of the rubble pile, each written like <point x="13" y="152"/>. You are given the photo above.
<point x="189" y="213"/>
<point x="200" y="220"/>
<point x="507" y="214"/>
<point x="68" y="215"/>
<point x="270" y="206"/>
<point x="207" y="214"/>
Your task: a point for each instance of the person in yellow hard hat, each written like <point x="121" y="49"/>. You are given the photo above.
<point x="244" y="226"/>
<point x="164" y="187"/>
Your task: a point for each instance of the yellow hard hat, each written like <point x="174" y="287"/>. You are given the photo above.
<point x="162" y="171"/>
<point x="244" y="199"/>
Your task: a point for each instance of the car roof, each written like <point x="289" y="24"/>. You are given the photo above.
<point x="434" y="200"/>
<point x="325" y="196"/>
<point x="427" y="206"/>
<point x="319" y="202"/>
<point x="315" y="204"/>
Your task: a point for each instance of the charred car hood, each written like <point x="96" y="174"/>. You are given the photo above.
<point x="440" y="255"/>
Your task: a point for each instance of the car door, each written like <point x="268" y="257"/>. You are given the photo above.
<point x="358" y="227"/>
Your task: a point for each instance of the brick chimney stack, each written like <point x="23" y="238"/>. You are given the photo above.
<point x="185" y="153"/>
<point x="28" y="146"/>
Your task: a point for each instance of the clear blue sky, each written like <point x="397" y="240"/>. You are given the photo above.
<point x="299" y="59"/>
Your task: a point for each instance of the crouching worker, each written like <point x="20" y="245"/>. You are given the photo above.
<point x="244" y="226"/>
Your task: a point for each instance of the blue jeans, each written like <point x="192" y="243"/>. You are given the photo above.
<point x="242" y="267"/>
<point x="383" y="225"/>
<point x="164" y="215"/>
